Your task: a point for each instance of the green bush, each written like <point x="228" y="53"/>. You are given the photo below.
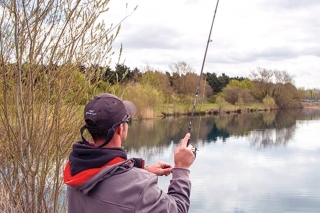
<point x="145" y="97"/>
<point x="221" y="102"/>
<point x="269" y="102"/>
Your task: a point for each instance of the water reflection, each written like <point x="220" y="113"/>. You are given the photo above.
<point x="264" y="129"/>
<point x="271" y="137"/>
<point x="259" y="162"/>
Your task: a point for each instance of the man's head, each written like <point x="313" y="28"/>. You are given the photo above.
<point x="104" y="114"/>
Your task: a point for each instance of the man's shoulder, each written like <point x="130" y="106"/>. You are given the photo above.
<point x="139" y="174"/>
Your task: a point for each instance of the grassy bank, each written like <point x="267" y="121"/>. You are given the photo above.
<point x="204" y="109"/>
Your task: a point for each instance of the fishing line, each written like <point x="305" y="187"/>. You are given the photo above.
<point x="198" y="85"/>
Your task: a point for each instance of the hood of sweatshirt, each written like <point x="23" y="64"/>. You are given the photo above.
<point x="88" y="164"/>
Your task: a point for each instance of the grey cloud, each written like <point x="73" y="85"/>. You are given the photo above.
<point x="233" y="57"/>
<point x="300" y="16"/>
<point x="289" y="4"/>
<point x="281" y="53"/>
<point x="315" y="51"/>
<point x="151" y="37"/>
<point x="276" y="53"/>
<point x="292" y="32"/>
<point x="229" y="57"/>
<point x="270" y="54"/>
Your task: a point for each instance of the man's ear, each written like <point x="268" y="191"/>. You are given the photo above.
<point x="119" y="129"/>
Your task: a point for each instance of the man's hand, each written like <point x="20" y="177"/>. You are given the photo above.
<point x="183" y="155"/>
<point x="160" y="168"/>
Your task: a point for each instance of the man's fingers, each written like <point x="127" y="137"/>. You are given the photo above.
<point x="166" y="172"/>
<point x="184" y="141"/>
<point x="165" y="165"/>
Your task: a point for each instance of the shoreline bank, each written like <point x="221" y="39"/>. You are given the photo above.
<point x="303" y="105"/>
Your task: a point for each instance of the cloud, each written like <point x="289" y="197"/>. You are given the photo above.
<point x="150" y="37"/>
<point x="289" y="5"/>
<point x="272" y="34"/>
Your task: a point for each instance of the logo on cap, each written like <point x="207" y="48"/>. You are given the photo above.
<point x="91" y="112"/>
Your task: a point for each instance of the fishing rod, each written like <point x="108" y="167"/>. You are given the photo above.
<point x="194" y="150"/>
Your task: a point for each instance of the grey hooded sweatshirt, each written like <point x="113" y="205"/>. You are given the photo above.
<point x="104" y="180"/>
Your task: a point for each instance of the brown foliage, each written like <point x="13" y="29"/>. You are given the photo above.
<point x="41" y="45"/>
<point x="233" y="93"/>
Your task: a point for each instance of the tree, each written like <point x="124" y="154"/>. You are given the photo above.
<point x="263" y="81"/>
<point x="221" y="102"/>
<point x="185" y="82"/>
<point x="159" y="81"/>
<point x="244" y="83"/>
<point x="283" y="77"/>
<point x="44" y="47"/>
<point x="217" y="83"/>
<point x="181" y="68"/>
<point x="145" y="97"/>
<point x="286" y="96"/>
<point x="181" y="76"/>
<point x="317" y="94"/>
<point x="269" y="103"/>
<point x="232" y="94"/>
<point x="240" y="103"/>
<point x="276" y="84"/>
<point x="312" y="94"/>
<point x="121" y="74"/>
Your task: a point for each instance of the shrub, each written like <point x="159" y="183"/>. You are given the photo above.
<point x="145" y="97"/>
<point x="269" y="102"/>
<point x="221" y="102"/>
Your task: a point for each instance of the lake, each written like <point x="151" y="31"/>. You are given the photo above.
<point x="253" y="162"/>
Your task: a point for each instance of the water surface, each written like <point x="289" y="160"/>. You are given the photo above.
<point x="259" y="162"/>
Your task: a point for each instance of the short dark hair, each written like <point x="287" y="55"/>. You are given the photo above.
<point x="97" y="134"/>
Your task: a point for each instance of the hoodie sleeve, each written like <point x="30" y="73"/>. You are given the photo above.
<point x="180" y="188"/>
<point x="177" y="200"/>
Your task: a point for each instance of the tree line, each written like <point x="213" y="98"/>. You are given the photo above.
<point x="274" y="88"/>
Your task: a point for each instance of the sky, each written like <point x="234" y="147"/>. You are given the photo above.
<point x="274" y="34"/>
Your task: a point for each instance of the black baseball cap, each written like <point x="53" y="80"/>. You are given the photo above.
<point x="104" y="111"/>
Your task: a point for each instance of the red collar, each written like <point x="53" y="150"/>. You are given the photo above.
<point x="83" y="176"/>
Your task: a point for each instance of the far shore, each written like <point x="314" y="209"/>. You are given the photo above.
<point x="304" y="105"/>
<point x="311" y="105"/>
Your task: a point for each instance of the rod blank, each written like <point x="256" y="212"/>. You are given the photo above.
<point x="203" y="62"/>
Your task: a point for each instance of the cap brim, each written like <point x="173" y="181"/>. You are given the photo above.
<point x="130" y="107"/>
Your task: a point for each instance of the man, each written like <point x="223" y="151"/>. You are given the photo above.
<point x="100" y="178"/>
